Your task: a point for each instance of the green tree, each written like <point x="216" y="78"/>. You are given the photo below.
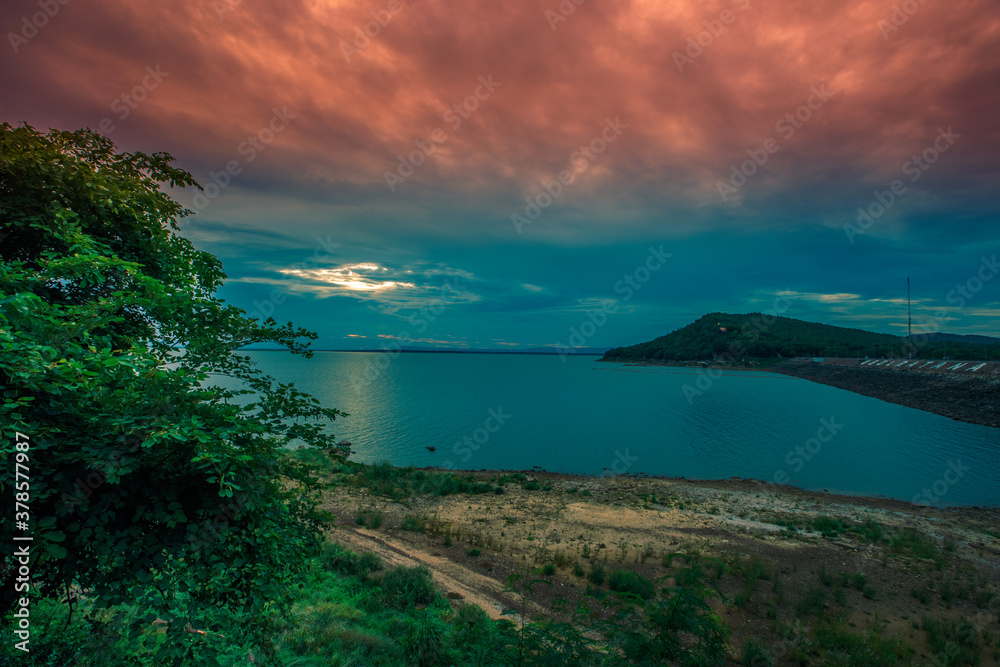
<point x="149" y="484"/>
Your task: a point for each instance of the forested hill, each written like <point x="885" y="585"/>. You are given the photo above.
<point x="757" y="335"/>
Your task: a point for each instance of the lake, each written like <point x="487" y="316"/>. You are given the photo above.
<point x="498" y="411"/>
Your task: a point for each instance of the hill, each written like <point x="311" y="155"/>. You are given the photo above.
<point x="757" y="335"/>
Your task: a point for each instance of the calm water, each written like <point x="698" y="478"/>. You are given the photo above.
<point x="588" y="417"/>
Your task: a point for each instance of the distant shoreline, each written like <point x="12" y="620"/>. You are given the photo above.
<point x="522" y="352"/>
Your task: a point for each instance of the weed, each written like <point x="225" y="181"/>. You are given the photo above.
<point x="414" y="522"/>
<point x="626" y="581"/>
<point x="812" y="603"/>
<point x="755" y="655"/>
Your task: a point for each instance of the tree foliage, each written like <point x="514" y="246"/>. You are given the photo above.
<point x="147" y="480"/>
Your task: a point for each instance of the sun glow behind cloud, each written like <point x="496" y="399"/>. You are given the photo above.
<point x="359" y="277"/>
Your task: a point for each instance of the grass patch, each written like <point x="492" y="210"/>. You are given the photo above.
<point x="755" y="655"/>
<point x="952" y="642"/>
<point x="828" y="526"/>
<point x="626" y="581"/>
<point x="812" y="603"/>
<point x="414" y="523"/>
<point x="859" y="649"/>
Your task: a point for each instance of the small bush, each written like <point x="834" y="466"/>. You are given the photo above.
<point x="578" y="570"/>
<point x="825" y="577"/>
<point x="408" y="586"/>
<point x="596" y="575"/>
<point x="413" y="523"/>
<point x="335" y="558"/>
<point x="473" y="553"/>
<point x="812" y="603"/>
<point x="549" y="569"/>
<point x="828" y="526"/>
<point x="755" y="655"/>
<point x="921" y="594"/>
<point x="371" y="518"/>
<point x="531" y="486"/>
<point x="626" y="581"/>
<point x="586" y="492"/>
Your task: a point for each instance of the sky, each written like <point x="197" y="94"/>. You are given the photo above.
<point x="524" y="174"/>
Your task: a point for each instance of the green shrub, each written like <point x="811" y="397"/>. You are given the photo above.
<point x="413" y="522"/>
<point x="531" y="486"/>
<point x="586" y="492"/>
<point x="812" y="603"/>
<point x="371" y="518"/>
<point x="335" y="558"/>
<point x="626" y="581"/>
<point x="828" y="526"/>
<point x="549" y="569"/>
<point x="755" y="655"/>
<point x="921" y="594"/>
<point x="578" y="569"/>
<point x="952" y="642"/>
<point x="408" y="586"/>
<point x="918" y="544"/>
<point x="859" y="649"/>
<point x="473" y="553"/>
<point x="596" y="575"/>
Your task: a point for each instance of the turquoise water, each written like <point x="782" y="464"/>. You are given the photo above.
<point x="589" y="417"/>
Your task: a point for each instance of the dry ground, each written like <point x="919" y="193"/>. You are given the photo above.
<point x="741" y="522"/>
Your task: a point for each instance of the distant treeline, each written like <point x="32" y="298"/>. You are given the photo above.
<point x="762" y="336"/>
